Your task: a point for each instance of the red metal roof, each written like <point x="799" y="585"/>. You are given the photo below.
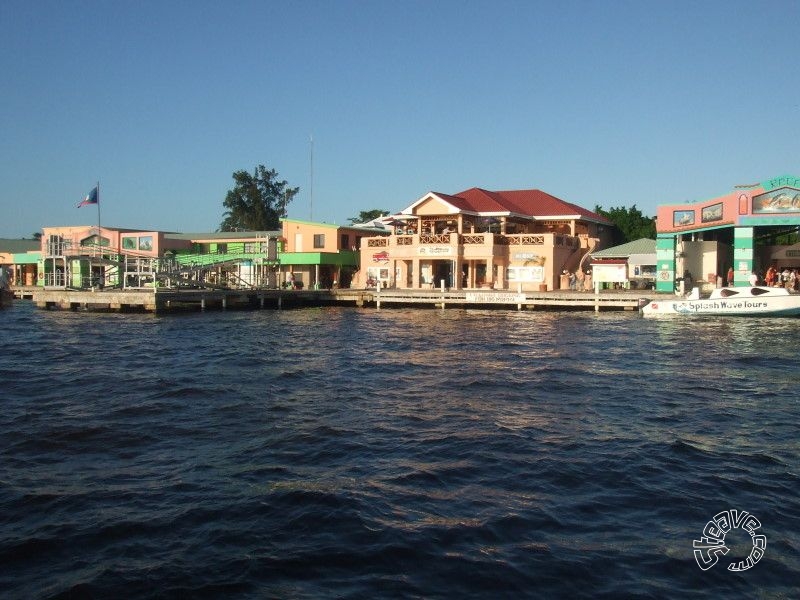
<point x="532" y="203"/>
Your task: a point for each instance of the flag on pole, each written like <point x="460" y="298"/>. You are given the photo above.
<point x="92" y="197"/>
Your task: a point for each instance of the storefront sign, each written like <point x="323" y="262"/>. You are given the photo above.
<point x="435" y="251"/>
<point x="494" y="298"/>
<point x="609" y="273"/>
<point x="784" y="181"/>
<point x="526" y="274"/>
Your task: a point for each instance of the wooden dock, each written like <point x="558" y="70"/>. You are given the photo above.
<point x="163" y="300"/>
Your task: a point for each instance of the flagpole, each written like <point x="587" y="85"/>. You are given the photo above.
<point x="99" y="235"/>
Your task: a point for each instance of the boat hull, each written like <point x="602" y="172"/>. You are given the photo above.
<point x="739" y="302"/>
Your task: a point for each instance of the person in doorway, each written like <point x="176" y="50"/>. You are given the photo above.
<point x="730" y="276"/>
<point x="769" y="277"/>
<point x="791" y="283"/>
<point x="785" y="277"/>
<point x="579" y="280"/>
<point x="753" y="278"/>
<point x="688" y="280"/>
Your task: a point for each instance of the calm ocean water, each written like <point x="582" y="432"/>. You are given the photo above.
<point x="345" y="453"/>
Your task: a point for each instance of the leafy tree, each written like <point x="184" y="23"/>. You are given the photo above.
<point x="785" y="238"/>
<point x="257" y="202"/>
<point x="36" y="235"/>
<point x="631" y="224"/>
<point x="368" y="215"/>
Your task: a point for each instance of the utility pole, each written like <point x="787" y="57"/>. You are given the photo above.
<point x="311" y="187"/>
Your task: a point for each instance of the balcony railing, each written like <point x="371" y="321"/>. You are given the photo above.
<point x="472" y="238"/>
<point x="525" y="239"/>
<point x="434" y="238"/>
<point x="496" y="239"/>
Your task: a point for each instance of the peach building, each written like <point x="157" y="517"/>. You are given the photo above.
<point x="483" y="239"/>
<point x="321" y="255"/>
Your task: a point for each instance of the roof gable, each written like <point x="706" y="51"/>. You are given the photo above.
<point x="434" y="204"/>
<point x="448" y="205"/>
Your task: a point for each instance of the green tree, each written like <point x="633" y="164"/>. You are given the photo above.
<point x="631" y="224"/>
<point x="368" y="215"/>
<point x="257" y="202"/>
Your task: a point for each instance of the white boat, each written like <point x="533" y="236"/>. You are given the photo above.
<point x="754" y="301"/>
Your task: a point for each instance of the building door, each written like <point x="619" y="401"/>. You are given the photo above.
<point x="443" y="269"/>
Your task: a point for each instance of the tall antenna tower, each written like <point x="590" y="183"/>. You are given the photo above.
<point x="311" y="187"/>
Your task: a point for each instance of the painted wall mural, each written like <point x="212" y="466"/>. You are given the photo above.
<point x="682" y="218"/>
<point x="711" y="213"/>
<point x="783" y="200"/>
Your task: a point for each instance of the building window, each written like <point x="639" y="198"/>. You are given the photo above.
<point x="345" y="241"/>
<point x="319" y="240"/>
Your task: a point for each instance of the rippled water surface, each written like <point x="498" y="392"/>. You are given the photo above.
<point x="346" y="453"/>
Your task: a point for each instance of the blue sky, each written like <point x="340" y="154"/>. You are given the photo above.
<point x="613" y="103"/>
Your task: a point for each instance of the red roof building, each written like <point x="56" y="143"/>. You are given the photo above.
<point x="502" y="240"/>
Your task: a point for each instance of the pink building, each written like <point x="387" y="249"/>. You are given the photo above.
<point x="78" y="255"/>
<point x="730" y="237"/>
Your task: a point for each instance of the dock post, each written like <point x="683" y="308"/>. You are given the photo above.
<point x="224" y="301"/>
<point x="280" y="301"/>
<point x="597" y="296"/>
<point x="202" y="303"/>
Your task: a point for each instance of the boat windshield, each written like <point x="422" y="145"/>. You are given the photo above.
<point x="759" y="291"/>
<point x="727" y="293"/>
